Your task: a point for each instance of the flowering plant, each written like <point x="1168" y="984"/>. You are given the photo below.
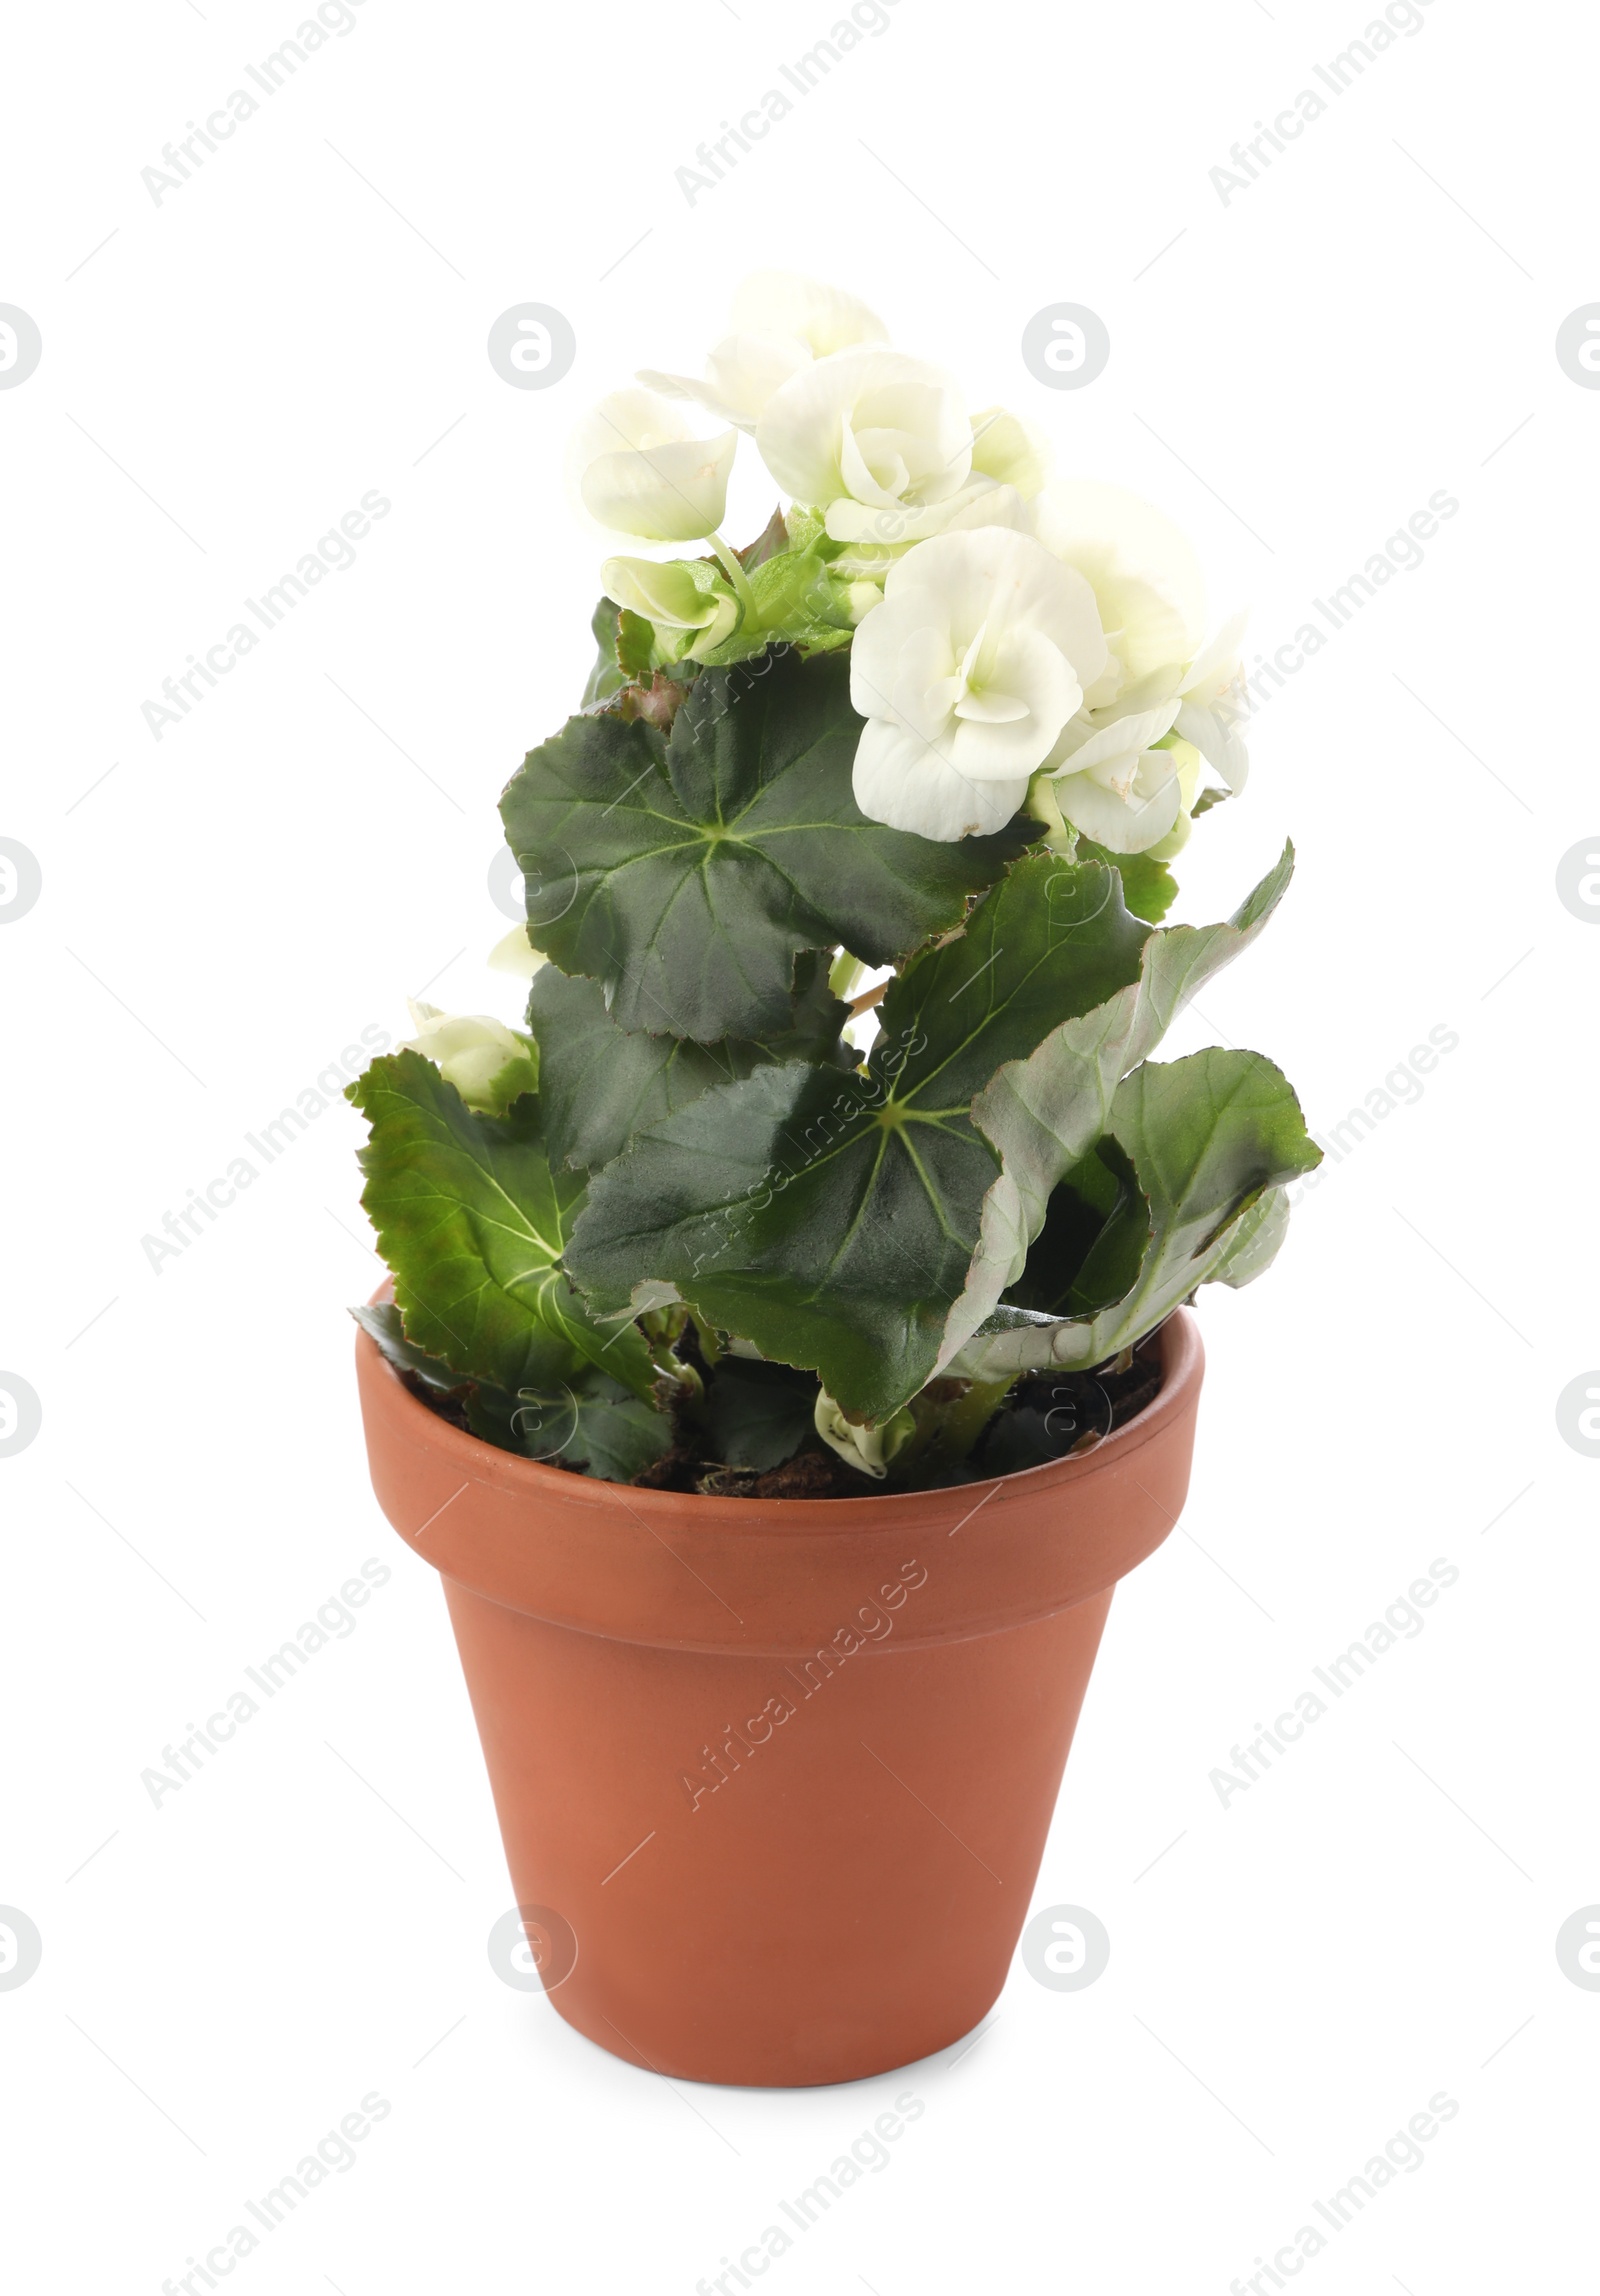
<point x="832" y="1150"/>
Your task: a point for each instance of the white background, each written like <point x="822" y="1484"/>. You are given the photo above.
<point x="1293" y="373"/>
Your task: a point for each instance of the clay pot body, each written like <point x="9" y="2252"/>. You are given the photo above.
<point x="784" y="1769"/>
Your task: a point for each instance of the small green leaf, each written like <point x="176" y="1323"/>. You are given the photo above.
<point x="635" y="647"/>
<point x="1148" y="886"/>
<point x="694" y="869"/>
<point x="606" y="678"/>
<point x="473" y="1223"/>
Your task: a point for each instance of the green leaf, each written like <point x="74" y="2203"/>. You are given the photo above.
<point x="383" y="1324"/>
<point x="833" y="1220"/>
<point x="473" y="1223"/>
<point x="1148" y="886"/>
<point x="606" y="678"/>
<point x="1044" y="1113"/>
<point x="635" y="647"/>
<point x="590" y="1421"/>
<point x="603" y="1082"/>
<point x="594" y="1422"/>
<point x="758" y="1414"/>
<point x="769" y="543"/>
<point x="695" y="868"/>
<point x="1196" y="1156"/>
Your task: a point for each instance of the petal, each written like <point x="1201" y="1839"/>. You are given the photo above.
<point x="825" y="318"/>
<point x="1217" y="664"/>
<point x="666" y="594"/>
<point x="990" y="708"/>
<point x="675" y="492"/>
<point x="1104" y="531"/>
<point x="1122" y="825"/>
<point x="900" y="780"/>
<point x="800" y="433"/>
<point x="1215" y="735"/>
<point x="1007" y="449"/>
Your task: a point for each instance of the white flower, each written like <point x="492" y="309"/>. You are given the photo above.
<point x="1145" y="577"/>
<point x="1112" y="782"/>
<point x="681" y="595"/>
<point x="488" y="1063"/>
<point x="779" y="324"/>
<point x="637" y="470"/>
<point x="880" y="442"/>
<point x="966" y="675"/>
<point x="1160" y="677"/>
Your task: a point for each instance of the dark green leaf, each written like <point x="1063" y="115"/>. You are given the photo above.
<point x="473" y="1223"/>
<point x="758" y="1414"/>
<point x="833" y="1220"/>
<point x="590" y="1421"/>
<point x="601" y="1082"/>
<point x="694" y="869"/>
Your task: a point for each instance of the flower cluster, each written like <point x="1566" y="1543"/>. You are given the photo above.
<point x="1016" y="642"/>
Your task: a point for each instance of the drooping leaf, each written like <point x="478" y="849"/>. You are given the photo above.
<point x="473" y="1223"/>
<point x="382" y="1323"/>
<point x="832" y="1220"/>
<point x="695" y="868"/>
<point x="602" y="1082"/>
<point x="1192" y="1170"/>
<point x="1043" y="1113"/>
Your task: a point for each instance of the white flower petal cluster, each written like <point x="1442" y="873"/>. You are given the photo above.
<point x="966" y="676"/>
<point x="1008" y="630"/>
<point x="639" y="470"/>
<point x="1126" y="771"/>
<point x="779" y="324"/>
<point x="881" y="447"/>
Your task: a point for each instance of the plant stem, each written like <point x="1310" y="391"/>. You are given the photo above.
<point x="736" y="575"/>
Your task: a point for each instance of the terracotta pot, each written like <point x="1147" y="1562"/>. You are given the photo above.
<point x="785" y="1767"/>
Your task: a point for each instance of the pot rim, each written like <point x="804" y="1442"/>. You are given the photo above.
<point x="1182" y="1363"/>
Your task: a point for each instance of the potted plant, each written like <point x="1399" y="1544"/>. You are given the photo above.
<point x="787" y="1347"/>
